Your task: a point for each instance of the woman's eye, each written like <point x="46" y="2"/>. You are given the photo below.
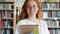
<point x="27" y="6"/>
<point x="34" y="6"/>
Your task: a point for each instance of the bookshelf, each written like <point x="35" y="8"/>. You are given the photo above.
<point x="7" y="16"/>
<point x="51" y="14"/>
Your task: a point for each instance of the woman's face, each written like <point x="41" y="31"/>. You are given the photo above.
<point x="31" y="8"/>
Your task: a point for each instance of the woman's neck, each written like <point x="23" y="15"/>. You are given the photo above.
<point x="32" y="18"/>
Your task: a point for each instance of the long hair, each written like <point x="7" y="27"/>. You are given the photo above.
<point x="24" y="15"/>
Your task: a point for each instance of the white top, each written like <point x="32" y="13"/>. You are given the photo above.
<point x="42" y="26"/>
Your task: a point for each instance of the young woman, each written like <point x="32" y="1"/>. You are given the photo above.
<point x="31" y="14"/>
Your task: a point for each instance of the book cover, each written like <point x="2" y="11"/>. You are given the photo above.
<point x="29" y="29"/>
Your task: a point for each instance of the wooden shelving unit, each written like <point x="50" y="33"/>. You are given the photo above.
<point x="7" y="17"/>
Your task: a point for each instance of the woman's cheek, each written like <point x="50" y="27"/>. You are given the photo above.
<point x="36" y="10"/>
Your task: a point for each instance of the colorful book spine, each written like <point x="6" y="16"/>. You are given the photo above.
<point x="1" y="21"/>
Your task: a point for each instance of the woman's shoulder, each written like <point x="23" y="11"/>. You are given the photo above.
<point x="42" y="22"/>
<point x="23" y="21"/>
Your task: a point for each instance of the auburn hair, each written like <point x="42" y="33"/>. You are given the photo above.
<point x="24" y="15"/>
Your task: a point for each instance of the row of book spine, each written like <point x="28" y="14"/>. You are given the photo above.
<point x="6" y="14"/>
<point x="6" y="6"/>
<point x="6" y="23"/>
<point x="6" y="0"/>
<point x="50" y="0"/>
<point x="6" y="31"/>
<point x="54" y="31"/>
<point x="53" y="23"/>
<point x="51" y="5"/>
<point x="52" y="14"/>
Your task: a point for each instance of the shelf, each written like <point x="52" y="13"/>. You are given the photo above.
<point x="11" y="2"/>
<point x="54" y="27"/>
<point x="6" y="27"/>
<point x="51" y="18"/>
<point x="50" y="9"/>
<point x="7" y="18"/>
<point x="7" y="9"/>
<point x="49" y="2"/>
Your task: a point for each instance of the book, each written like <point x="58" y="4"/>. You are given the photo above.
<point x="52" y="23"/>
<point x="58" y="31"/>
<point x="6" y="0"/>
<point x="44" y="5"/>
<point x="12" y="6"/>
<point x="48" y="23"/>
<point x="57" y="13"/>
<point x="5" y="31"/>
<point x="45" y="14"/>
<point x="1" y="0"/>
<point x="10" y="23"/>
<point x="25" y="29"/>
<point x="9" y="6"/>
<point x="59" y="5"/>
<point x="8" y="31"/>
<point x="46" y="0"/>
<point x="5" y="24"/>
<point x="1" y="6"/>
<point x="50" y="14"/>
<point x="53" y="14"/>
<point x="0" y="14"/>
<point x="57" y="23"/>
<point x="51" y="31"/>
<point x="1" y="21"/>
<point x="53" y="5"/>
<point x="0" y="31"/>
<point x="3" y="14"/>
<point x="10" y="14"/>
<point x="11" y="0"/>
<point x="6" y="6"/>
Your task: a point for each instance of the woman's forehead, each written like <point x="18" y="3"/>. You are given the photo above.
<point x="31" y="2"/>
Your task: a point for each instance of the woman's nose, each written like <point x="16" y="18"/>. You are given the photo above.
<point x="31" y="8"/>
